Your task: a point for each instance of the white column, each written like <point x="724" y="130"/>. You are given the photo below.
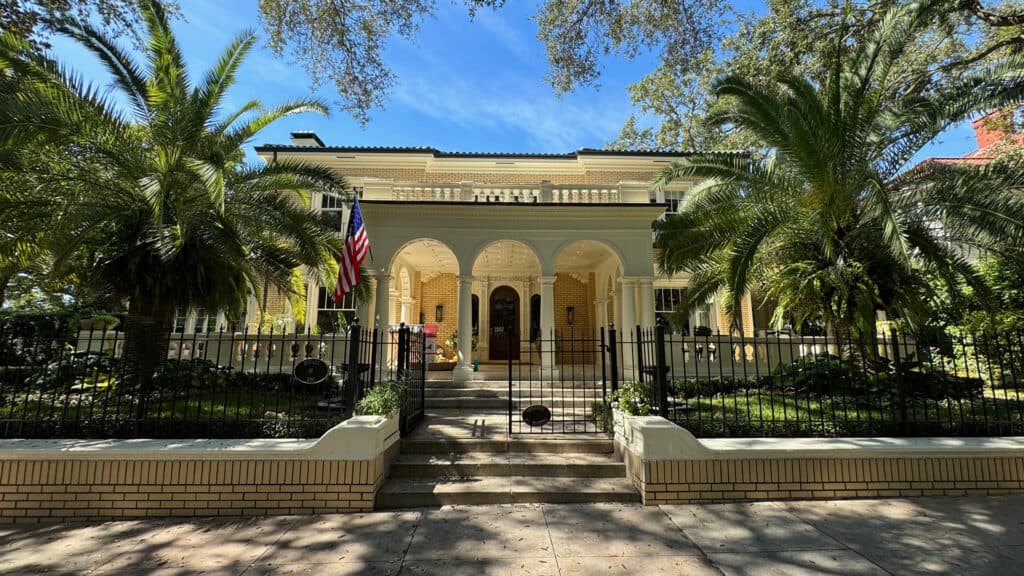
<point x="407" y="303"/>
<point x="484" y="345"/>
<point x="464" y="369"/>
<point x="524" y="319"/>
<point x="382" y="305"/>
<point x="601" y="314"/>
<point x="647" y="302"/>
<point x="547" y="325"/>
<point x="627" y="331"/>
<point x="365" y="307"/>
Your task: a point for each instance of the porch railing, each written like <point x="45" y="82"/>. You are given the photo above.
<point x="542" y="193"/>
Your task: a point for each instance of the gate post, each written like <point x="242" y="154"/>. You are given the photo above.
<point x="901" y="392"/>
<point x="373" y="358"/>
<point x="613" y="350"/>
<point x="352" y="395"/>
<point x="510" y="341"/>
<point x="660" y="367"/>
<point x="403" y="351"/>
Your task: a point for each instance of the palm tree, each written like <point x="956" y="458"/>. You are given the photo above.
<point x="830" y="222"/>
<point x="160" y="191"/>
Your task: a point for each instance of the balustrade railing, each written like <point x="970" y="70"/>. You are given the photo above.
<point x="503" y="194"/>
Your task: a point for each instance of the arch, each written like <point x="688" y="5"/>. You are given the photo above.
<point x="517" y="247"/>
<point x="439" y="255"/>
<point x="610" y="249"/>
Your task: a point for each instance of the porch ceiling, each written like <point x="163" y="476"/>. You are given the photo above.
<point x="582" y="256"/>
<point x="429" y="257"/>
<point x="506" y="258"/>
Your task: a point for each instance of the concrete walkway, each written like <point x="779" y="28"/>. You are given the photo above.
<point x="945" y="536"/>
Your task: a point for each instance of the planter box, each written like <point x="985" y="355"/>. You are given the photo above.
<point x="441" y="366"/>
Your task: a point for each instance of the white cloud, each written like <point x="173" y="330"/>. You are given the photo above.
<point x="552" y="124"/>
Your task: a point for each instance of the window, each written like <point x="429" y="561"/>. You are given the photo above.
<point x="476" y="315"/>
<point x="665" y="302"/>
<point x="670" y="197"/>
<point x="673" y="198"/>
<point x="334" y="206"/>
<point x="331" y="317"/>
<point x="202" y="322"/>
<point x="534" y="317"/>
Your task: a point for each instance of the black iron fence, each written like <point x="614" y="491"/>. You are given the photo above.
<point x="946" y="383"/>
<point x="211" y="385"/>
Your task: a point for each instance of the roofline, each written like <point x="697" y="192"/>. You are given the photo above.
<point x="435" y="153"/>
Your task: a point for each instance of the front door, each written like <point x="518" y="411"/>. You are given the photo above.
<point x="504" y="322"/>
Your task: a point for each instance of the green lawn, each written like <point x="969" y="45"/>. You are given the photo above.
<point x="187" y="413"/>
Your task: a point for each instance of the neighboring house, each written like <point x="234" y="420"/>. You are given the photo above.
<point x="995" y="137"/>
<point x="506" y="246"/>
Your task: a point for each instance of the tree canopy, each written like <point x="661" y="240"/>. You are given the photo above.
<point x="830" y="221"/>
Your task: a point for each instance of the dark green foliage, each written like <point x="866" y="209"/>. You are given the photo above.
<point x="694" y="387"/>
<point x="601" y="413"/>
<point x="634" y="399"/>
<point x="384" y="399"/>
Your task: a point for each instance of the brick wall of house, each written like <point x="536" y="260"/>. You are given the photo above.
<point x="571" y="292"/>
<point x="703" y="481"/>
<point x="33" y="491"/>
<point x="441" y="289"/>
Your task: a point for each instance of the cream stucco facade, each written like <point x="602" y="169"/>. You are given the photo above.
<point x="506" y="246"/>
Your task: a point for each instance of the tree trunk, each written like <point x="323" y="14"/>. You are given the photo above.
<point x="147" y="337"/>
<point x="4" y="281"/>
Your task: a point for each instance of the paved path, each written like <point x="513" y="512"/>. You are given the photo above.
<point x="950" y="536"/>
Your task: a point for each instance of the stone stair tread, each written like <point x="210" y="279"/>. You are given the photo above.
<point x="582" y="458"/>
<point x="412" y="492"/>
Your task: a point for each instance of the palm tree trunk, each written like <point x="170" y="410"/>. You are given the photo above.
<point x="147" y="337"/>
<point x="4" y="281"/>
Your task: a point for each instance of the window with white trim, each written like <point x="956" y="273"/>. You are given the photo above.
<point x="330" y="317"/>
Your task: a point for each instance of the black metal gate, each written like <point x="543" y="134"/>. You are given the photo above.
<point x="411" y="367"/>
<point x="560" y="384"/>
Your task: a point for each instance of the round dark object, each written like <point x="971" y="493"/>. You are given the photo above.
<point x="311" y="371"/>
<point x="537" y="415"/>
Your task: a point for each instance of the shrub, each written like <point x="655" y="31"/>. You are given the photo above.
<point x="634" y="399"/>
<point x="174" y="374"/>
<point x="384" y="399"/>
<point x="601" y="414"/>
<point x="822" y="374"/>
<point x="694" y="387"/>
<point x="702" y="331"/>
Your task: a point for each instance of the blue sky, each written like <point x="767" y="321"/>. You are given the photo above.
<point x="462" y="86"/>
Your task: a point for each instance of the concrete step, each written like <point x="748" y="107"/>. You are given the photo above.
<point x="413" y="492"/>
<point x="497" y="402"/>
<point x="596" y="444"/>
<point x="479" y="464"/>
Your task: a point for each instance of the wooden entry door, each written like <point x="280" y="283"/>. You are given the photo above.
<point x="504" y="323"/>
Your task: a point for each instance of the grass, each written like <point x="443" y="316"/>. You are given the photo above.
<point x="222" y="411"/>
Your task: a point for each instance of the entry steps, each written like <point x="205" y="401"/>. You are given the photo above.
<point x="465" y="471"/>
<point x="493" y="395"/>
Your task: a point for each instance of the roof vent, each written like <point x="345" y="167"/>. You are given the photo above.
<point x="307" y="138"/>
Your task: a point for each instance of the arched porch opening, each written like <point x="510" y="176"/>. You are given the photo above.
<point x="423" y="289"/>
<point x="506" y="277"/>
<point x="584" y="274"/>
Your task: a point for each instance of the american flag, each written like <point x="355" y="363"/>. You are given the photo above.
<point x="357" y="245"/>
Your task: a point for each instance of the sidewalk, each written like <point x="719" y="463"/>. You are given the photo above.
<point x="951" y="536"/>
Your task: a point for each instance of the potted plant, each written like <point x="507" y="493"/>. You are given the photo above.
<point x="99" y="322"/>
